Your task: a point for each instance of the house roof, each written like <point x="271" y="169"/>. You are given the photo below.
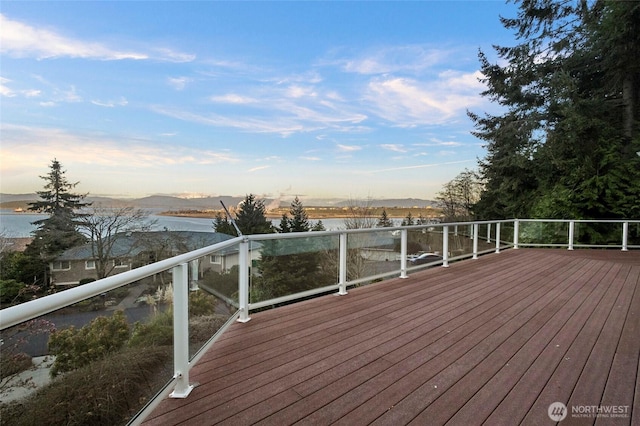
<point x="131" y="244"/>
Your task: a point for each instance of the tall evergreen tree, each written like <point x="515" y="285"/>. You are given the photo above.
<point x="289" y="266"/>
<point x="384" y="221"/>
<point x="408" y="220"/>
<point x="251" y="217"/>
<point x="59" y="231"/>
<point x="565" y="146"/>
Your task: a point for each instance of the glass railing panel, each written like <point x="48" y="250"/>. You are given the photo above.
<point x="486" y="237"/>
<point x="96" y="361"/>
<point x="213" y="295"/>
<point x="633" y="237"/>
<point x="372" y="253"/>
<point x="424" y="240"/>
<point x="424" y="246"/>
<point x="543" y="233"/>
<point x="506" y="234"/>
<point x="286" y="266"/>
<point x="460" y="240"/>
<point x="597" y="234"/>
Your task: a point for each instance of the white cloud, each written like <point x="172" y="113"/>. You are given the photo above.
<point x="110" y="104"/>
<point x="178" y="83"/>
<point x="4" y="90"/>
<point x="348" y="148"/>
<point x="21" y="40"/>
<point x="283" y="110"/>
<point x="419" y="166"/>
<point x="255" y="169"/>
<point x="409" y="102"/>
<point x="414" y="59"/>
<point x="393" y="147"/>
<point x="30" y="147"/>
<point x="232" y="98"/>
<point x="296" y="91"/>
<point x="31" y="93"/>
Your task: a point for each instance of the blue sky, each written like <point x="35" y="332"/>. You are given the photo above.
<point x="315" y="99"/>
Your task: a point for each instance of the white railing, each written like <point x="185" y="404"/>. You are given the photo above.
<point x="493" y="235"/>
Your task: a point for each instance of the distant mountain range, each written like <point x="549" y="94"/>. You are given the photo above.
<point x="164" y="202"/>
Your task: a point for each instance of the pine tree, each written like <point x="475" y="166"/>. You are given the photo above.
<point x="384" y="221"/>
<point x="251" y="217"/>
<point x="408" y="220"/>
<point x="289" y="266"/>
<point x="565" y="147"/>
<point x="59" y="231"/>
<point x="222" y="225"/>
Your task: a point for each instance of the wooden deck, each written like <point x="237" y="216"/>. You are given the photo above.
<point x="491" y="341"/>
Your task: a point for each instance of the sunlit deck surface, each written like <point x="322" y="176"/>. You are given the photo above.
<point x="490" y="341"/>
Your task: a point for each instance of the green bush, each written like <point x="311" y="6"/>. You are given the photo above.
<point x="157" y="332"/>
<point x="201" y="303"/>
<point x="77" y="348"/>
<point x="10" y="291"/>
<point x="107" y="392"/>
<point x="14" y="363"/>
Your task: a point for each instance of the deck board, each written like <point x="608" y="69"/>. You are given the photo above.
<point x="487" y="341"/>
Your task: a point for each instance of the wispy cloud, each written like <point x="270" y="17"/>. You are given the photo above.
<point x="418" y="166"/>
<point x="232" y="98"/>
<point x="5" y="90"/>
<point x="413" y="59"/>
<point x="178" y="83"/>
<point x="408" y="102"/>
<point x="436" y="142"/>
<point x="19" y="39"/>
<point x="393" y="147"/>
<point x="255" y="169"/>
<point x="110" y="104"/>
<point x="348" y="148"/>
<point x="284" y="110"/>
<point x="24" y="146"/>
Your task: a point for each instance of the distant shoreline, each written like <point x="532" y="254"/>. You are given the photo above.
<point x="318" y="213"/>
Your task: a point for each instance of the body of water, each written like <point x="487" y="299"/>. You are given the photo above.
<point x="19" y="225"/>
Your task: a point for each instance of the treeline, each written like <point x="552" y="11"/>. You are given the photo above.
<point x="566" y="143"/>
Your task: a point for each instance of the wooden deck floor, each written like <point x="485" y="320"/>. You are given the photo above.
<point x="490" y="341"/>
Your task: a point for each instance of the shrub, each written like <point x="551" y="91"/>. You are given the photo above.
<point x="106" y="392"/>
<point x="203" y="328"/>
<point x="10" y="291"/>
<point x="157" y="332"/>
<point x="77" y="348"/>
<point x="201" y="303"/>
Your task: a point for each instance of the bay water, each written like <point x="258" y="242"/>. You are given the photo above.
<point x="20" y="225"/>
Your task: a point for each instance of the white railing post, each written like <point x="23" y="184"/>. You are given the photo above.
<point x="181" y="331"/>
<point x="571" y="229"/>
<point x="625" y="235"/>
<point x="516" y="232"/>
<point x="497" y="237"/>
<point x="488" y="232"/>
<point x="343" y="265"/>
<point x="195" y="271"/>
<point x="445" y="246"/>
<point x="475" y="240"/>
<point x="403" y="253"/>
<point x="243" y="281"/>
<point x="455" y="230"/>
